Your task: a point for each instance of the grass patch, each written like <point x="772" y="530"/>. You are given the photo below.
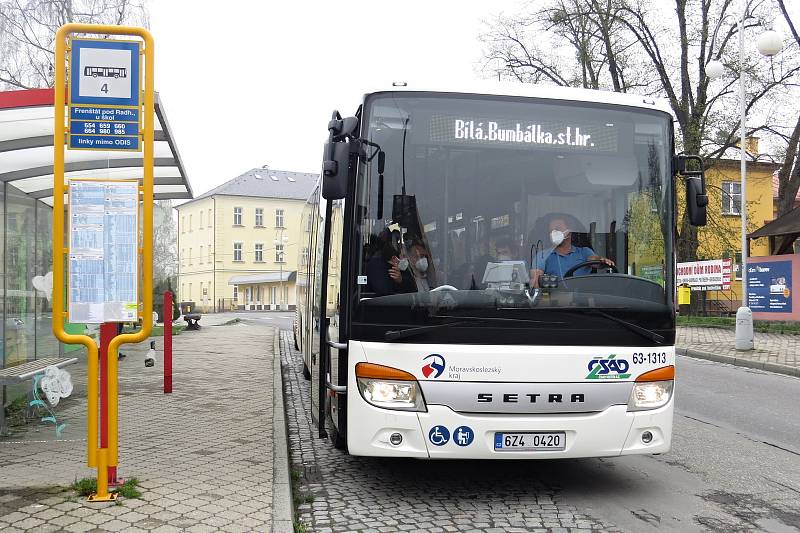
<point x="158" y="331"/>
<point x="726" y="322"/>
<point x="300" y="499"/>
<point x="295" y="475"/>
<point x="85" y="487"/>
<point x="129" y="490"/>
<point x="299" y="527"/>
<point x="15" y="411"/>
<point x="88" y="486"/>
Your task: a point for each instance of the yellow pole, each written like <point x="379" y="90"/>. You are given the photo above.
<point x="109" y="456"/>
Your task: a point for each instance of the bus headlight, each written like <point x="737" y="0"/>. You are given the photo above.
<point x="389" y="388"/>
<point x="650" y="395"/>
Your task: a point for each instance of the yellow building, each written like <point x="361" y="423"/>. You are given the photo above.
<point x="238" y="244"/>
<point x="722" y="236"/>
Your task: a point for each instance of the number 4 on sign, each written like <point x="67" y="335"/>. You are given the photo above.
<point x="104" y="88"/>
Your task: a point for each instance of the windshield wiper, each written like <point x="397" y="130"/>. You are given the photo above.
<point x="644" y="332"/>
<point x="395" y="334"/>
<point x="460" y="320"/>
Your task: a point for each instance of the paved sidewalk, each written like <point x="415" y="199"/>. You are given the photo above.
<point x="775" y="352"/>
<point x="205" y="455"/>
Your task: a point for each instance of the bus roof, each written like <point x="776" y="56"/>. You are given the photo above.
<point x="536" y="91"/>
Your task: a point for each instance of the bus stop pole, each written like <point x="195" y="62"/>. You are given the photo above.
<point x="167" y="318"/>
<point x="108" y="331"/>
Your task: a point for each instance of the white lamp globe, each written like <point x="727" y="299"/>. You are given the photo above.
<point x="769" y="43"/>
<point x="714" y="69"/>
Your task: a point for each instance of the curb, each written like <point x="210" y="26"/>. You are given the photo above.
<point x="282" y="505"/>
<point x="740" y="361"/>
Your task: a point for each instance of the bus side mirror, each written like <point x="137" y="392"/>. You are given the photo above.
<point x="696" y="201"/>
<point x="696" y="196"/>
<point x="336" y="164"/>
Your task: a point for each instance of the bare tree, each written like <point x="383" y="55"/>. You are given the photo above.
<point x="789" y="174"/>
<point x="647" y="47"/>
<point x="165" y="238"/>
<point x="28" y="29"/>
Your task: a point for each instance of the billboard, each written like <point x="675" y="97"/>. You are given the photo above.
<point x="712" y="275"/>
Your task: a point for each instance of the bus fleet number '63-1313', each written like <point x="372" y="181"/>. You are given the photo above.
<point x="651" y="358"/>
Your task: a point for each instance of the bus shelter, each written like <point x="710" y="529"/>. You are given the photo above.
<point x="26" y="198"/>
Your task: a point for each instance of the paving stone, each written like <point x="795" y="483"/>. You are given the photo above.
<point x="388" y="495"/>
<point x="178" y="447"/>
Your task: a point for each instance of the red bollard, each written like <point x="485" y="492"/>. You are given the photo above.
<point x="108" y="330"/>
<point x="167" y="318"/>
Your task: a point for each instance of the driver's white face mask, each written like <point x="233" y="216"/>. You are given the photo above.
<point x="558" y="236"/>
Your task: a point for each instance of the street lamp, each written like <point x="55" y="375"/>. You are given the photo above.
<point x="281" y="241"/>
<point x="769" y="43"/>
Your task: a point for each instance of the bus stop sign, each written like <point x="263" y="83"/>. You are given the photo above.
<point x="104" y="95"/>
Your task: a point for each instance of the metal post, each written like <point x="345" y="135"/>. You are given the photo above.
<point x="108" y="331"/>
<point x="744" y="317"/>
<point x="743" y="153"/>
<point x="167" y="342"/>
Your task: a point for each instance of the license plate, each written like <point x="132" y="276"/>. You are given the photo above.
<point x="520" y="442"/>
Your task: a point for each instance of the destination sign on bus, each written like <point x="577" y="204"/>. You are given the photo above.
<point x="545" y="133"/>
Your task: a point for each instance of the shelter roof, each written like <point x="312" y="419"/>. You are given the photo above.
<point x="787" y="224"/>
<point x="26" y="145"/>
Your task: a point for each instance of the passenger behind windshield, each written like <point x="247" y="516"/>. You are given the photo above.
<point x="399" y="266"/>
<point x="563" y="255"/>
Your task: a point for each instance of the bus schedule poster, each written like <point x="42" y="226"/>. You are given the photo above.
<point x="103" y="258"/>
<point x="104" y="95"/>
<point x="769" y="286"/>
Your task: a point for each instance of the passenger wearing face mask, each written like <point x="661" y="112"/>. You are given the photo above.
<point x="415" y="268"/>
<point x="564" y="254"/>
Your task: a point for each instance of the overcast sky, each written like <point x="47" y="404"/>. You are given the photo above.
<point x="251" y="83"/>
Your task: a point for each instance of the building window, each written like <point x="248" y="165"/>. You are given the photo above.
<point x="731" y="198"/>
<point x="201" y="220"/>
<point x="190" y="256"/>
<point x="309" y="223"/>
<point x="237" y="216"/>
<point x="209" y="218"/>
<point x="273" y="291"/>
<point x="190" y="293"/>
<point x="258" y="294"/>
<point x="183" y="258"/>
<point x="183" y="224"/>
<point x="279" y="218"/>
<point x="237" y="251"/>
<point x="259" y="216"/>
<point x="201" y="255"/>
<point x="235" y="293"/>
<point x="259" y="253"/>
<point x="279" y="253"/>
<point x="305" y="255"/>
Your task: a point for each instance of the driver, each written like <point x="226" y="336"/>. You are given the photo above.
<point x="564" y="255"/>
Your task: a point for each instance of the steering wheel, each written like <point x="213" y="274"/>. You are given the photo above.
<point x="444" y="288"/>
<point x="596" y="262"/>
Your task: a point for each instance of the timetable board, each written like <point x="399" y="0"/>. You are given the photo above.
<point x="103" y="258"/>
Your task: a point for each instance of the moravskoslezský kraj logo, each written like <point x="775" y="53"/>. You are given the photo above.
<point x="436" y="366"/>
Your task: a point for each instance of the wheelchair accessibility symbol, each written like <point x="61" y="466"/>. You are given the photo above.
<point x="439" y="436"/>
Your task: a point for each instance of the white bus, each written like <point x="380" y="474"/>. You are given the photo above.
<point x="490" y="274"/>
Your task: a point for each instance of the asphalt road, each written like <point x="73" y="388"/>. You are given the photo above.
<point x="734" y="466"/>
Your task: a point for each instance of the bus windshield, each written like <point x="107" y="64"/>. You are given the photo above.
<point x="533" y="213"/>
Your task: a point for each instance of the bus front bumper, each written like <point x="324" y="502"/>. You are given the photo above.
<point x="612" y="432"/>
